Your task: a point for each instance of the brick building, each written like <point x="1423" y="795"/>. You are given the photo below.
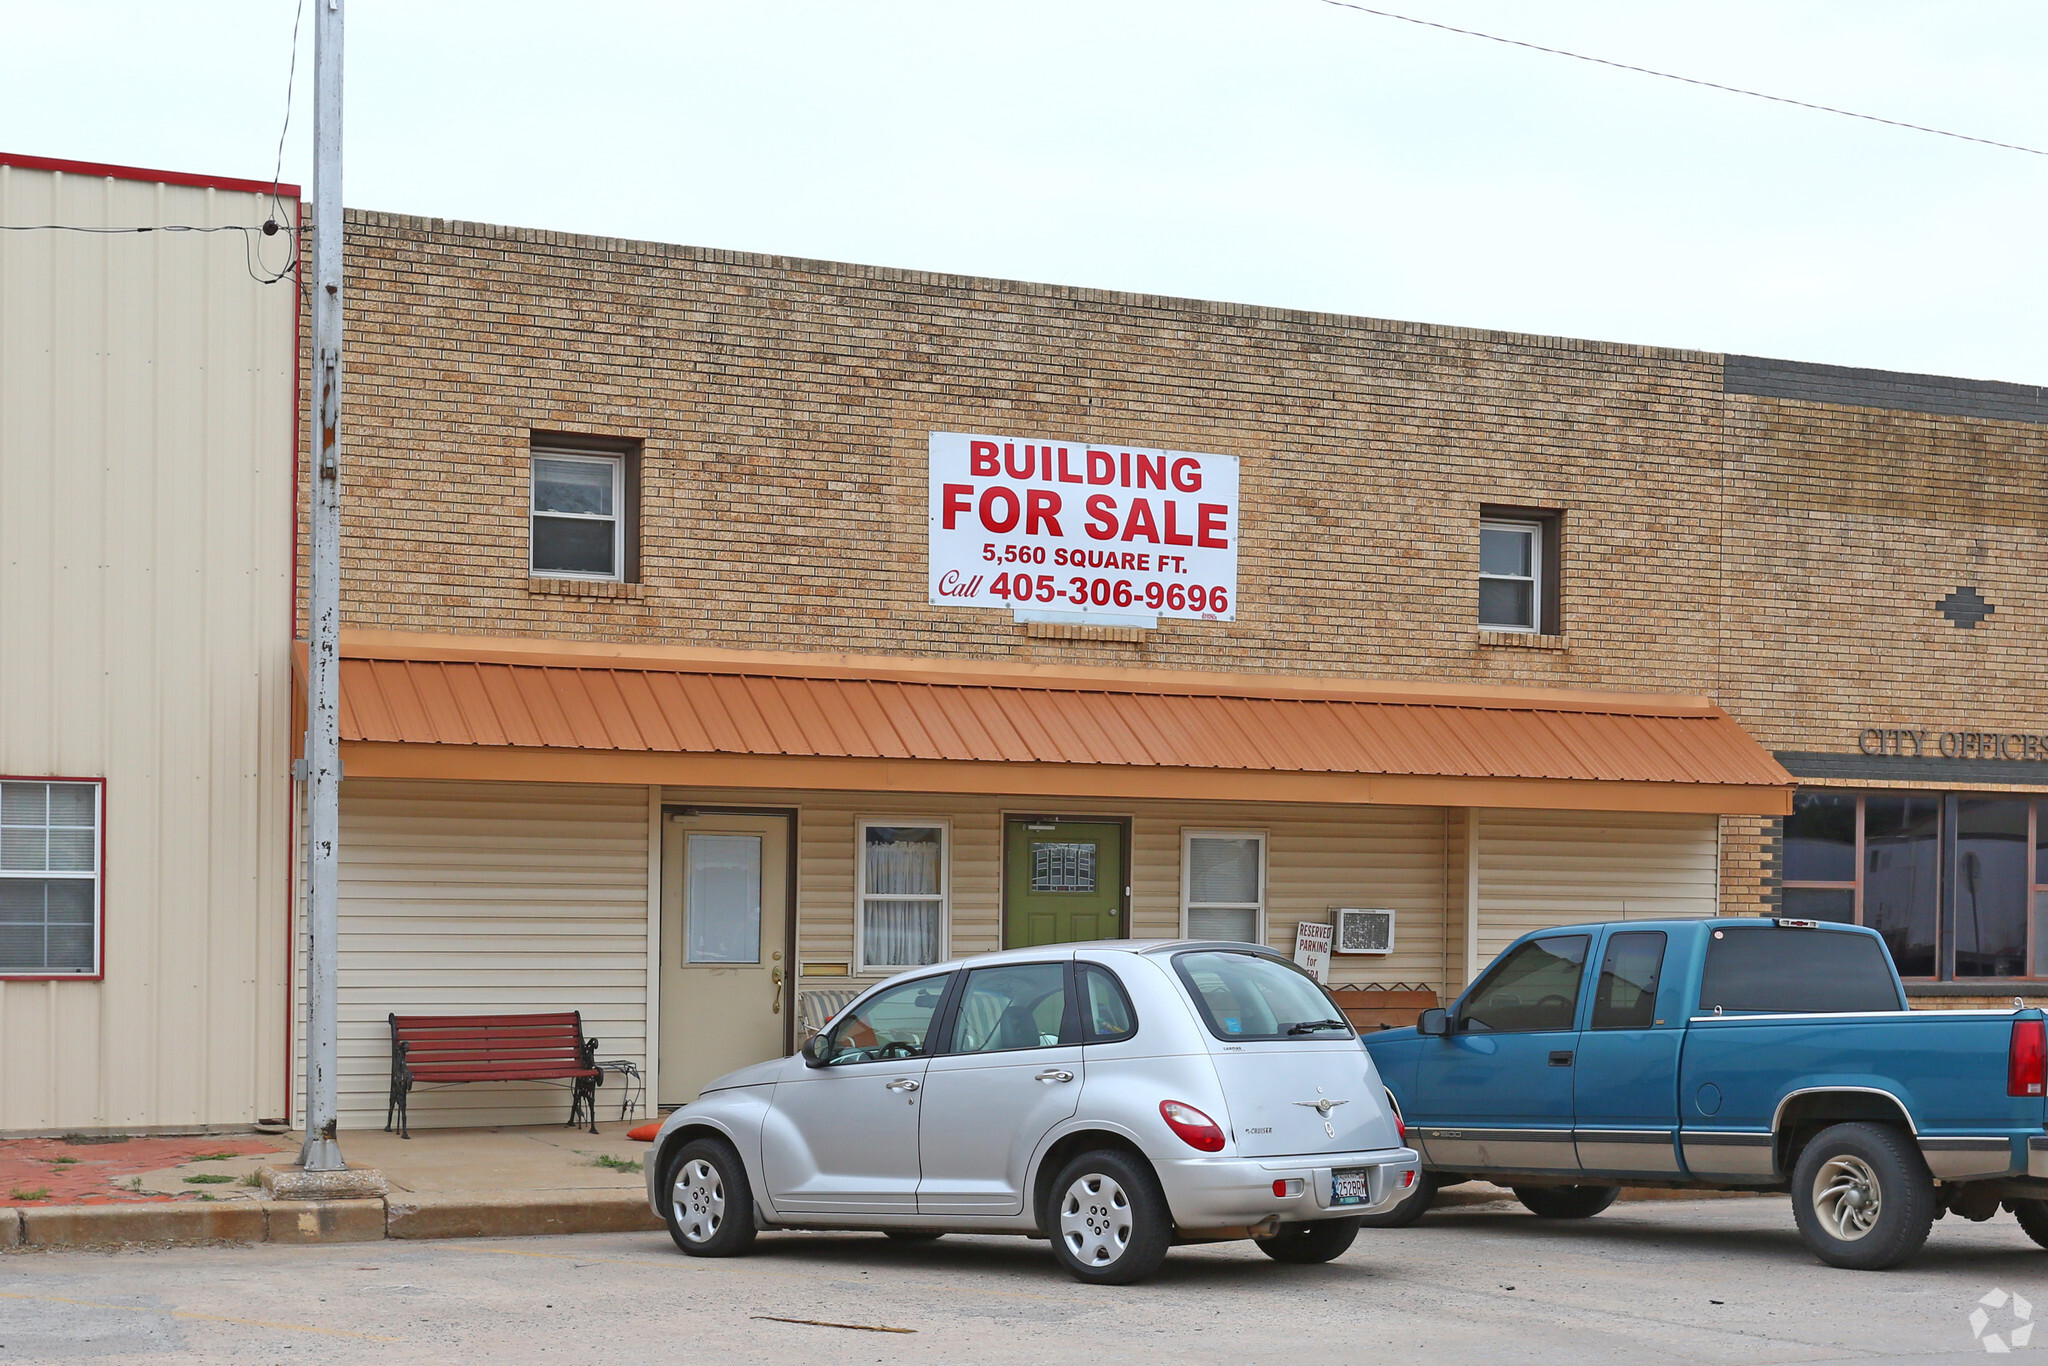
<point x="649" y="710"/>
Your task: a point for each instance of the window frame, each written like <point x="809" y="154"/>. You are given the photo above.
<point x="1587" y="968"/>
<point x="861" y="896"/>
<point x="98" y="970"/>
<point x="1188" y="835"/>
<point x="1535" y="578"/>
<point x="613" y="460"/>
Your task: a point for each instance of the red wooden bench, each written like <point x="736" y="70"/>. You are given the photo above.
<point x="441" y="1050"/>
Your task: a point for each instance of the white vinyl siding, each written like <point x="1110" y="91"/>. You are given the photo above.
<point x="484" y="899"/>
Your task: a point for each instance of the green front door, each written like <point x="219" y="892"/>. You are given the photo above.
<point x="1063" y="881"/>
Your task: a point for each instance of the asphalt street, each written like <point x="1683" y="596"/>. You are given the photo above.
<point x="1704" y="1281"/>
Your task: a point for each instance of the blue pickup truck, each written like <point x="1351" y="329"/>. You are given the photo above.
<point x="1722" y="1055"/>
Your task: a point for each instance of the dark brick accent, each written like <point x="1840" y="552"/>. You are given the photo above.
<point x="1965" y="607"/>
<point x="1840" y="384"/>
<point x="1883" y="767"/>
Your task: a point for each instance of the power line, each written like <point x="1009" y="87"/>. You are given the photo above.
<point x="252" y="253"/>
<point x="1687" y="80"/>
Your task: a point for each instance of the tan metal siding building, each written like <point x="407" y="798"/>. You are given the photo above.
<point x="147" y="399"/>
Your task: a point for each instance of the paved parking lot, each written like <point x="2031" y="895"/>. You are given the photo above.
<point x="1660" y="1281"/>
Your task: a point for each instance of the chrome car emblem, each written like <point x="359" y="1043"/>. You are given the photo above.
<point x="1323" y="1106"/>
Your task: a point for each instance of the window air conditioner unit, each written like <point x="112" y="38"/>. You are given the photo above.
<point x="1365" y="932"/>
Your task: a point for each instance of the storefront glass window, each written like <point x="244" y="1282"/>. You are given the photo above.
<point x="1991" y="888"/>
<point x="903" y="879"/>
<point x="1820" y="838"/>
<point x="1901" y="882"/>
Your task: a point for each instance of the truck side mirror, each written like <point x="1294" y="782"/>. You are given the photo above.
<point x="1434" y="1021"/>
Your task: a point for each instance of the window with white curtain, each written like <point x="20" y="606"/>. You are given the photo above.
<point x="902" y="920"/>
<point x="49" y="879"/>
<point x="1223" y="885"/>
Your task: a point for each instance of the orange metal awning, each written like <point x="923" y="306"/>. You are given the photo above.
<point x="468" y="707"/>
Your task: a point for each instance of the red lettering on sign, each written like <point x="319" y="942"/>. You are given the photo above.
<point x="1152" y="471"/>
<point x="1101" y="467"/>
<point x="956" y="499"/>
<point x="988" y="498"/>
<point x="1041" y="507"/>
<point x="981" y="460"/>
<point x="1066" y="478"/>
<point x="1141" y="523"/>
<point x="1209" y="518"/>
<point x="1187" y="475"/>
<point x="1102" y="517"/>
<point x="1010" y="460"/>
<point x="1172" y="529"/>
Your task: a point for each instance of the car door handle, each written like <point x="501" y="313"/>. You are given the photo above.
<point x="903" y="1084"/>
<point x="1561" y="1058"/>
<point x="1055" y="1074"/>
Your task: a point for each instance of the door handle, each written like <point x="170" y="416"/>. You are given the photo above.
<point x="1055" y="1074"/>
<point x="903" y="1084"/>
<point x="776" y="1007"/>
<point x="1561" y="1058"/>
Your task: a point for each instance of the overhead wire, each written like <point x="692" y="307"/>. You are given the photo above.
<point x="1686" y="80"/>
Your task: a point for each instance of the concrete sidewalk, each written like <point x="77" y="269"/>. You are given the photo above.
<point x="444" y="1183"/>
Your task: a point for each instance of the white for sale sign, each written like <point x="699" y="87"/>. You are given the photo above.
<point x="1312" y="949"/>
<point x="1075" y="526"/>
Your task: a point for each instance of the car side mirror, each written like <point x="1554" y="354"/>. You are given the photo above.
<point x="1436" y="1021"/>
<point x="817" y="1050"/>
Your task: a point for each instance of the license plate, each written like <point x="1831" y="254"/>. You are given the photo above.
<point x="1350" y="1188"/>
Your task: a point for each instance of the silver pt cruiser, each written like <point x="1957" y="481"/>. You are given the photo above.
<point x="1113" y="1097"/>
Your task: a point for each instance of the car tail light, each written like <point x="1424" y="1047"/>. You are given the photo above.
<point x="1194" y="1128"/>
<point x="1401" y="1127"/>
<point x="1290" y="1187"/>
<point x="2026" y="1066"/>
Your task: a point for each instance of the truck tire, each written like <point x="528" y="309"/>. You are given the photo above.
<point x="1324" y="1240"/>
<point x="1862" y="1197"/>
<point x="1408" y="1209"/>
<point x="2033" y="1217"/>
<point x="1566" y="1202"/>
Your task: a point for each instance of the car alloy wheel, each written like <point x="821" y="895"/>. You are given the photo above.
<point x="1847" y="1196"/>
<point x="1095" y="1220"/>
<point x="699" y="1197"/>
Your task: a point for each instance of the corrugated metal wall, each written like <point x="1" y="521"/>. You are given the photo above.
<point x="471" y="899"/>
<point x="147" y="400"/>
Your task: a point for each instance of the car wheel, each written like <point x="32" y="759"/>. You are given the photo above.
<point x="2033" y="1217"/>
<point x="912" y="1235"/>
<point x="1862" y="1197"/>
<point x="1108" y="1218"/>
<point x="1566" y="1202"/>
<point x="1324" y="1240"/>
<point x="1408" y="1208"/>
<point x="710" y="1203"/>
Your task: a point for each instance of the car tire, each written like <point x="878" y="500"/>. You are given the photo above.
<point x="2033" y="1217"/>
<point x="1108" y="1219"/>
<point x="1862" y="1197"/>
<point x="1324" y="1240"/>
<point x="710" y="1202"/>
<point x="1408" y="1208"/>
<point x="913" y="1235"/>
<point x="1566" y="1202"/>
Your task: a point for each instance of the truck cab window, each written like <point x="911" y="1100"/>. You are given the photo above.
<point x="1536" y="987"/>
<point x="1626" y="996"/>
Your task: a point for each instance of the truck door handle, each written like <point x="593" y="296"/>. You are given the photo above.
<point x="1561" y="1058"/>
<point x="1055" y="1074"/>
<point x="902" y="1084"/>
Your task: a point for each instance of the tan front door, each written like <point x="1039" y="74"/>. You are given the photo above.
<point x="724" y="909"/>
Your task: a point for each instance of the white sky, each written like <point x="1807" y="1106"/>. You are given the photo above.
<point x="1267" y="151"/>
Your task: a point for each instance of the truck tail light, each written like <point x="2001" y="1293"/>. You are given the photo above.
<point x="2026" y="1066"/>
<point x="1196" y="1129"/>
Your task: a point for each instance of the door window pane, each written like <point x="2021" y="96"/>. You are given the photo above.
<point x="1007" y="1008"/>
<point x="1835" y="904"/>
<point x="891" y="1024"/>
<point x="1067" y="866"/>
<point x="1991" y="888"/>
<point x="723" y="884"/>
<point x="1626" y="997"/>
<point x="1820" y="838"/>
<point x="1536" y="987"/>
<point x="1901" y="866"/>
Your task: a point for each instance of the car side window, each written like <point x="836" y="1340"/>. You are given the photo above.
<point x="1534" y="988"/>
<point x="1626" y="996"/>
<point x="891" y="1024"/>
<point x="1106" y="1014"/>
<point x="1017" y="1005"/>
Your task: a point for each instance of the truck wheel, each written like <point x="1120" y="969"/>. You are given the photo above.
<point x="2033" y="1217"/>
<point x="1862" y="1197"/>
<point x="1408" y="1208"/>
<point x="1566" y="1202"/>
<point x="1324" y="1240"/>
<point x="1109" y="1221"/>
<point x="710" y="1204"/>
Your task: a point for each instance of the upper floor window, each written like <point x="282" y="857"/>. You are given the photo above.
<point x="1518" y="571"/>
<point x="579" y="515"/>
<point x="49" y="879"/>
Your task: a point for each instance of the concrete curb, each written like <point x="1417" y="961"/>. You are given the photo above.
<point x="326" y="1221"/>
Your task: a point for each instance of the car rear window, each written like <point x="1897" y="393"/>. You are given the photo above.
<point x="1248" y="996"/>
<point x="1787" y="972"/>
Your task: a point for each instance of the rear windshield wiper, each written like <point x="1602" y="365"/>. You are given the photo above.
<point x="1311" y="1026"/>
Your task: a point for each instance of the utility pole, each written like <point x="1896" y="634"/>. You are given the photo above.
<point x="322" y="1150"/>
